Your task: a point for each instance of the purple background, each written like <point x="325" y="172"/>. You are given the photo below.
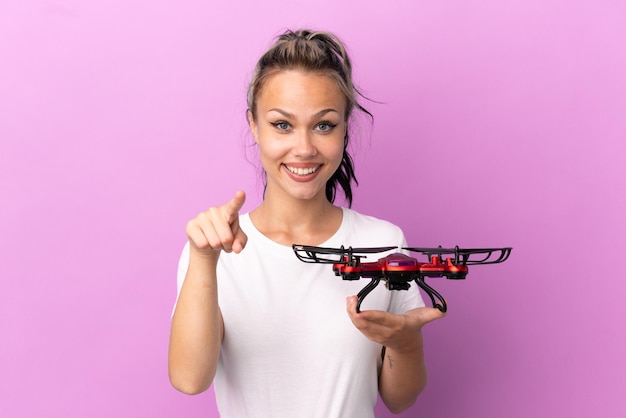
<point x="498" y="123"/>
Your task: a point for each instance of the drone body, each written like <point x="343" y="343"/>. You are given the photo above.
<point x="398" y="270"/>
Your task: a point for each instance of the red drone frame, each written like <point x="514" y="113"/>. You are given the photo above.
<point x="398" y="270"/>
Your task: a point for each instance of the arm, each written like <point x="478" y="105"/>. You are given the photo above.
<point x="403" y="374"/>
<point x="197" y="327"/>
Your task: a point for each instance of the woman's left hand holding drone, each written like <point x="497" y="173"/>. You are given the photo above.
<point x="403" y="374"/>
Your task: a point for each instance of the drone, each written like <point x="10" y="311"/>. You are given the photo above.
<point x="398" y="270"/>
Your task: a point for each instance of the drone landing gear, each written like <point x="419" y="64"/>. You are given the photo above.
<point x="437" y="300"/>
<point x="365" y="291"/>
<point x="433" y="294"/>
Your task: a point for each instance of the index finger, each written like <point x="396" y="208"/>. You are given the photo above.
<point x="236" y="203"/>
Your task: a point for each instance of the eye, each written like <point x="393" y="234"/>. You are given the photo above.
<point x="325" y="126"/>
<point x="281" y="125"/>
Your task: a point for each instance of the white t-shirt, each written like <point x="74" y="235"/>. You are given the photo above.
<point x="290" y="349"/>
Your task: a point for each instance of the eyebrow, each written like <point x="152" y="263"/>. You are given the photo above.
<point x="290" y="115"/>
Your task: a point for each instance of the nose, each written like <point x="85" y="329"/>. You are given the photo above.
<point x="304" y="145"/>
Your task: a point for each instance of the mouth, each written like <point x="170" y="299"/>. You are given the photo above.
<point x="302" y="171"/>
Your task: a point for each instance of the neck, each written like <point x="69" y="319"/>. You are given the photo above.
<point x="296" y="221"/>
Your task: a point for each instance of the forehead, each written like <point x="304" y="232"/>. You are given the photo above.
<point x="303" y="90"/>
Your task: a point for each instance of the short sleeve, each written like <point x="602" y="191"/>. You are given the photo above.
<point x="183" y="265"/>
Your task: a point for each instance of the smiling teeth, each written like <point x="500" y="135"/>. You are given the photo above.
<point x="302" y="171"/>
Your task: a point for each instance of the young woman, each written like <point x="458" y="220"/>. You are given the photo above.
<point x="281" y="338"/>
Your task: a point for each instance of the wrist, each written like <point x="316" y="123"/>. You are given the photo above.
<point x="202" y="270"/>
<point x="203" y="257"/>
<point x="411" y="345"/>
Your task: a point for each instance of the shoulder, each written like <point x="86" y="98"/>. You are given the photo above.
<point x="378" y="229"/>
<point x="368" y="221"/>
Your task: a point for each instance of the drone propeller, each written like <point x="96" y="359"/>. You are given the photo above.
<point x="490" y="255"/>
<point x="463" y="256"/>
<point x="311" y="254"/>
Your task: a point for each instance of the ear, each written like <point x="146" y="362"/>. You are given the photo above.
<point x="253" y="126"/>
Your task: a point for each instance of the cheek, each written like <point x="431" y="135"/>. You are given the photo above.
<point x="271" y="150"/>
<point x="334" y="151"/>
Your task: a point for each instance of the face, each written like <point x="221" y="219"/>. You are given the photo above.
<point x="300" y="128"/>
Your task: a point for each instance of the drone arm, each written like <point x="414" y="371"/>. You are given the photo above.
<point x="437" y="300"/>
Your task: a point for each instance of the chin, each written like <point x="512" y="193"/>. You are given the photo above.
<point x="307" y="194"/>
<point x="301" y="191"/>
